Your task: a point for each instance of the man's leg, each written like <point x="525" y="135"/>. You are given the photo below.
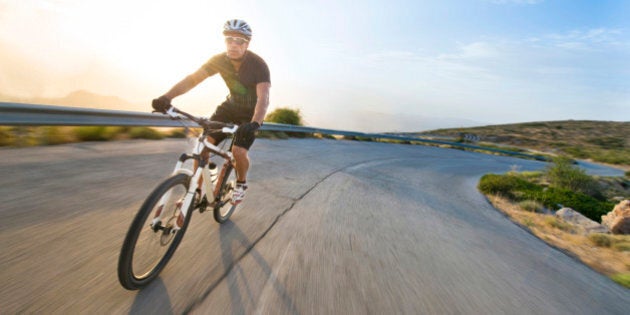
<point x="242" y="163"/>
<point x="242" y="166"/>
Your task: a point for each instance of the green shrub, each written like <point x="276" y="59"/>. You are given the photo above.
<point x="622" y="278"/>
<point x="608" y="142"/>
<point x="601" y="240"/>
<point x="285" y="116"/>
<point x="145" y="133"/>
<point x="509" y="186"/>
<point x="177" y="133"/>
<point x="53" y="135"/>
<point x="622" y="246"/>
<point x="531" y="205"/>
<point x="558" y="224"/>
<point x="98" y="133"/>
<point x="266" y="134"/>
<point x="517" y="188"/>
<point x="563" y="174"/>
<point x="6" y="136"/>
<point x="91" y="133"/>
<point x="582" y="203"/>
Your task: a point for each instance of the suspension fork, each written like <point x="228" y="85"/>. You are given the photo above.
<point x="189" y="197"/>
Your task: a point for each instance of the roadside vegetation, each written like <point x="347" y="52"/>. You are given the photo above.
<point x="52" y="135"/>
<point x="531" y="198"/>
<point x="599" y="141"/>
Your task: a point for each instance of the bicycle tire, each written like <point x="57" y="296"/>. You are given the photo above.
<point x="128" y="277"/>
<point x="223" y="209"/>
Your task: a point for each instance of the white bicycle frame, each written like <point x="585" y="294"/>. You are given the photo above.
<point x="207" y="185"/>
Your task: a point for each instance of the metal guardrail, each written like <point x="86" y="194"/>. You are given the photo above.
<point x="18" y="114"/>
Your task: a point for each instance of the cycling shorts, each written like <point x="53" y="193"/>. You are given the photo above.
<point x="234" y="114"/>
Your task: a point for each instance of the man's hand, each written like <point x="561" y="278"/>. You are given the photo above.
<point x="161" y="104"/>
<point x="247" y="131"/>
<point x="250" y="127"/>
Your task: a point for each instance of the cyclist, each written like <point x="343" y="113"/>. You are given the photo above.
<point x="248" y="80"/>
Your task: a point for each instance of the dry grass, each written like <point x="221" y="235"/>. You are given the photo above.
<point x="612" y="260"/>
<point x="602" y="141"/>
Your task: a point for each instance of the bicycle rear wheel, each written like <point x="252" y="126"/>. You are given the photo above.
<point x="223" y="209"/>
<point x="149" y="245"/>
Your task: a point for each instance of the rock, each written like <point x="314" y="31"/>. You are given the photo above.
<point x="618" y="220"/>
<point x="585" y="225"/>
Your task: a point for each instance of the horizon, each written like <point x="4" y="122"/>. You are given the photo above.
<point x="380" y="66"/>
<point x="87" y="97"/>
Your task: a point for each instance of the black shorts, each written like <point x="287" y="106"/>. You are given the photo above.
<point x="233" y="114"/>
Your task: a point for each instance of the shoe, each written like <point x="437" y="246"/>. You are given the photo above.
<point x="238" y="194"/>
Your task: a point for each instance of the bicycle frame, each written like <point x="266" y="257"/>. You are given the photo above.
<point x="201" y="171"/>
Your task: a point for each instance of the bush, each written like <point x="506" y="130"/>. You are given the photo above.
<point x="285" y="116"/>
<point x="517" y="188"/>
<point x="622" y="278"/>
<point x="531" y="205"/>
<point x="145" y="133"/>
<point x="98" y="133"/>
<point x="622" y="246"/>
<point x="177" y="133"/>
<point x="582" y="203"/>
<point x="558" y="224"/>
<point x="53" y="135"/>
<point x="601" y="240"/>
<point x="510" y="186"/>
<point x="6" y="136"/>
<point x="266" y="134"/>
<point x="563" y="174"/>
<point x="91" y="133"/>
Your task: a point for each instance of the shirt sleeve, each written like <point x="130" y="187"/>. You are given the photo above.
<point x="212" y="66"/>
<point x="263" y="73"/>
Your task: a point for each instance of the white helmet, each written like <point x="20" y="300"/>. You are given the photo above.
<point x="237" y="26"/>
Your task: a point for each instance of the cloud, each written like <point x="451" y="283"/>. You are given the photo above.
<point x="551" y="76"/>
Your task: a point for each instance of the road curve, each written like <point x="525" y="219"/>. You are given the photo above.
<point x="328" y="227"/>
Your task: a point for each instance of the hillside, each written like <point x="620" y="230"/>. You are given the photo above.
<point x="600" y="141"/>
<point x="78" y="98"/>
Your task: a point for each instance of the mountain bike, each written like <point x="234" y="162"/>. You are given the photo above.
<point x="163" y="218"/>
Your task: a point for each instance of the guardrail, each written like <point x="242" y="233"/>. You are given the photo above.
<point x="18" y="114"/>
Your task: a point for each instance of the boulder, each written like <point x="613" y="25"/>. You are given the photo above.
<point x="584" y="224"/>
<point x="618" y="220"/>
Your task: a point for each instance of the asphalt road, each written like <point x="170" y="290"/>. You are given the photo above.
<point x="328" y="227"/>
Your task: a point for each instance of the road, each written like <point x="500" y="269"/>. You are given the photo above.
<point x="328" y="227"/>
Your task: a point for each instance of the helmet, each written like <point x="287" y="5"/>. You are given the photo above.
<point x="237" y="26"/>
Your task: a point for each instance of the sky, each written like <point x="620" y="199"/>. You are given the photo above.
<point x="395" y="65"/>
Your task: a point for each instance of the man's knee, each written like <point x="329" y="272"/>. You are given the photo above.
<point x="239" y="152"/>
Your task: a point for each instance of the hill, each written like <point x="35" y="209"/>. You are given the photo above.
<point x="599" y="141"/>
<point x="80" y="98"/>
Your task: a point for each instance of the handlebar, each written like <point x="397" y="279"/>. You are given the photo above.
<point x="205" y="123"/>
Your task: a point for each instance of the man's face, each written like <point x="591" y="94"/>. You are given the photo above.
<point x="236" y="45"/>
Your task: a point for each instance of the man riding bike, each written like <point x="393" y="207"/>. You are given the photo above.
<point x="247" y="77"/>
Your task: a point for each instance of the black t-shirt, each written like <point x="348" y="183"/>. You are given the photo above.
<point x="242" y="84"/>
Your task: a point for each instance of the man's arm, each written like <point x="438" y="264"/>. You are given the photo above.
<point x="262" y="91"/>
<point x="187" y="83"/>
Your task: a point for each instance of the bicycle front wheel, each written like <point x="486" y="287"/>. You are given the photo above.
<point x="223" y="207"/>
<point x="152" y="239"/>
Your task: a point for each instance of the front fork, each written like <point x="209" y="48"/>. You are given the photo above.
<point x="183" y="205"/>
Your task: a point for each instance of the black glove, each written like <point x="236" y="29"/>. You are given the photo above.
<point x="247" y="132"/>
<point x="249" y="128"/>
<point x="161" y="104"/>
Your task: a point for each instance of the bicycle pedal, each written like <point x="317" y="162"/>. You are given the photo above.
<point x="202" y="205"/>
